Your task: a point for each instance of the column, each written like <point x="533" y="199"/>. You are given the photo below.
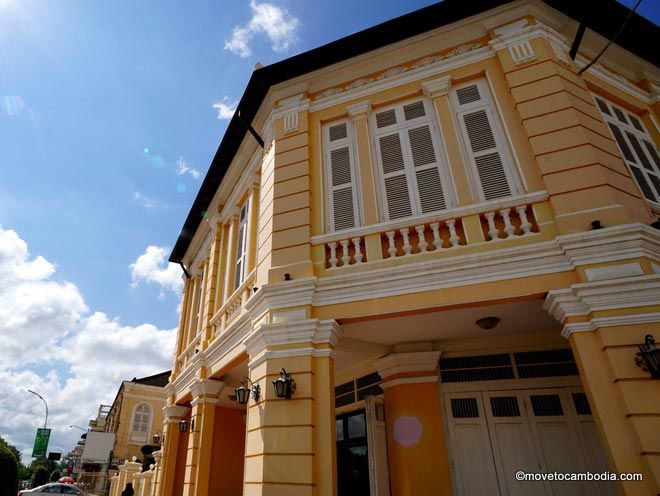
<point x="126" y="473"/>
<point x="182" y="332"/>
<point x="191" y="328"/>
<point x="252" y="230"/>
<point x="222" y="268"/>
<point x="200" y="442"/>
<point x="230" y="261"/>
<point x="208" y="307"/>
<point x="359" y="114"/>
<point x="605" y="321"/>
<point x="173" y="414"/>
<point x="158" y="467"/>
<point x="290" y="444"/>
<point x="416" y="445"/>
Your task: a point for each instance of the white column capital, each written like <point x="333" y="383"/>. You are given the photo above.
<point x="437" y="87"/>
<point x="174" y="413"/>
<point x="401" y="363"/>
<point x="359" y="110"/>
<point x="206" y="391"/>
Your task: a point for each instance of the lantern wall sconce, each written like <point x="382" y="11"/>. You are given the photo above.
<point x="157" y="438"/>
<point x="243" y="392"/>
<point x="284" y="385"/>
<point x="184" y="425"/>
<point x="648" y="357"/>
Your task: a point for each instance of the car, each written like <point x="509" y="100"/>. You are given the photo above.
<point x="52" y="488"/>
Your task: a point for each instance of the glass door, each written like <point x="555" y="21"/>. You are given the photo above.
<point x="352" y="454"/>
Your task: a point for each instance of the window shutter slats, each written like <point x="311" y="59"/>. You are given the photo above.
<point x="468" y="94"/>
<point x="635" y="122"/>
<point x="340" y="166"/>
<point x="643" y="183"/>
<point x="492" y="176"/>
<point x="398" y="197"/>
<point x="603" y="106"/>
<point x="344" y="212"/>
<point x="421" y="146"/>
<point x="620" y="115"/>
<point x="338" y="132"/>
<point x="391" y="153"/>
<point x="652" y="152"/>
<point x="430" y="190"/>
<point x="640" y="152"/>
<point x="479" y="131"/>
<point x="414" y="110"/>
<point x="386" y="118"/>
<point x="625" y="149"/>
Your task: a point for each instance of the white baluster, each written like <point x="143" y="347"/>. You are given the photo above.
<point x="453" y="236"/>
<point x="422" y="240"/>
<point x="345" y="258"/>
<point x="493" y="232"/>
<point x="509" y="228"/>
<point x="407" y="248"/>
<point x="435" y="228"/>
<point x="358" y="250"/>
<point x="390" y="241"/>
<point x="333" y="254"/>
<point x="525" y="224"/>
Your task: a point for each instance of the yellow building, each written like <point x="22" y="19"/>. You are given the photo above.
<point x="441" y="230"/>
<point x="136" y="415"/>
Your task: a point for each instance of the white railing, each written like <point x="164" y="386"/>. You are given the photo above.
<point x="234" y="305"/>
<point x="501" y="219"/>
<point x="187" y="355"/>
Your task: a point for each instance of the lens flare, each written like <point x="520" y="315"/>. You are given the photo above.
<point x="13" y="105"/>
<point x="181" y="187"/>
<point x="407" y="430"/>
<point x="146" y="151"/>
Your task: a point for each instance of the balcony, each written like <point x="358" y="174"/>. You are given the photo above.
<point x="441" y="233"/>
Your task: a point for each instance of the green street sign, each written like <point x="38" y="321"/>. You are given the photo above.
<point x="41" y="443"/>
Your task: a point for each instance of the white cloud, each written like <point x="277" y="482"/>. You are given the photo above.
<point x="225" y="110"/>
<point x="279" y="26"/>
<point x="152" y="267"/>
<point x="145" y="201"/>
<point x="182" y="168"/>
<point x="51" y="344"/>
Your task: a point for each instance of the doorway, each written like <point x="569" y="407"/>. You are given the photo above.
<point x="352" y="454"/>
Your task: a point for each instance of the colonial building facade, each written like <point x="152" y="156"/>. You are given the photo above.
<point x="439" y="231"/>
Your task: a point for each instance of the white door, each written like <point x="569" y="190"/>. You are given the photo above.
<point x="379" y="473"/>
<point x="472" y="458"/>
<point x="512" y="442"/>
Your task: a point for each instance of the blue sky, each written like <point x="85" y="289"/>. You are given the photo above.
<point x="107" y="126"/>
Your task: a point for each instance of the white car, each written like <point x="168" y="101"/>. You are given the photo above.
<point x="52" y="488"/>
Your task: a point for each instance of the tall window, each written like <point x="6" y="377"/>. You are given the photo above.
<point x="490" y="160"/>
<point x="637" y="148"/>
<point x="141" y="419"/>
<point x="413" y="178"/>
<point x="341" y="176"/>
<point x="241" y="245"/>
<point x="200" y="295"/>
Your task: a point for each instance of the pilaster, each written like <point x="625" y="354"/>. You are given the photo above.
<point x="417" y="449"/>
<point x="173" y="414"/>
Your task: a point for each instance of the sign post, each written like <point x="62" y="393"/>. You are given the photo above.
<point x="41" y="443"/>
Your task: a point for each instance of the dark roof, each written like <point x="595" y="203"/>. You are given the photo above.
<point x="603" y="17"/>
<point x="159" y="380"/>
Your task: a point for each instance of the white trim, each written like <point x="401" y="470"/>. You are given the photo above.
<point x="138" y="435"/>
<point x="614" y="271"/>
<point x="596" y="323"/>
<point x="401" y="363"/>
<point x="619" y="82"/>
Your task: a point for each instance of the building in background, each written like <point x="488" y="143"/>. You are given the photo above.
<point x="439" y="231"/>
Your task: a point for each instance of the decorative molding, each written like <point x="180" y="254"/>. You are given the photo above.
<point x="206" y="387"/>
<point x="619" y="320"/>
<point x="586" y="298"/>
<point x="614" y="272"/>
<point x="359" y="110"/>
<point x="616" y="80"/>
<point x="409" y="380"/>
<point x="402" y="363"/>
<point x="174" y="413"/>
<point x="437" y="87"/>
<point x="512" y="27"/>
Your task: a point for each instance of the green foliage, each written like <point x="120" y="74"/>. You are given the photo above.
<point x="17" y="454"/>
<point x="55" y="475"/>
<point x="8" y="472"/>
<point x="39" y="476"/>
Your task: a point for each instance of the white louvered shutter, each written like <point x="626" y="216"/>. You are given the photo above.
<point x="341" y="178"/>
<point x="486" y="151"/>
<point x="637" y="148"/>
<point x="409" y="162"/>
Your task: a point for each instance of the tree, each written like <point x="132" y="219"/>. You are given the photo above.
<point x="39" y="477"/>
<point x="8" y="472"/>
<point x="55" y="475"/>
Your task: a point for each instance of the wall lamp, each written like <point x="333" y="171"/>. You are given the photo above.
<point x="243" y="392"/>
<point x="158" y="438"/>
<point x="284" y="385"/>
<point x="648" y="357"/>
<point x="184" y="425"/>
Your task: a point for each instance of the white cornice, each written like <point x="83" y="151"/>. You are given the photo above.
<point x="619" y="320"/>
<point x="399" y="381"/>
<point x="616" y="80"/>
<point x="174" y="412"/>
<point x="401" y="363"/>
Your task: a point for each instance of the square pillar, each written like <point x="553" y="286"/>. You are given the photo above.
<point x="416" y="445"/>
<point x="173" y="414"/>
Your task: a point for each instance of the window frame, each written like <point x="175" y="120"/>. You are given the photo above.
<point x="240" y="259"/>
<point x="138" y="435"/>
<point x="441" y="160"/>
<point x="625" y="128"/>
<point x="502" y="144"/>
<point x="328" y="148"/>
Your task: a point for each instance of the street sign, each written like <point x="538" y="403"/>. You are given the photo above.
<point x="41" y="443"/>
